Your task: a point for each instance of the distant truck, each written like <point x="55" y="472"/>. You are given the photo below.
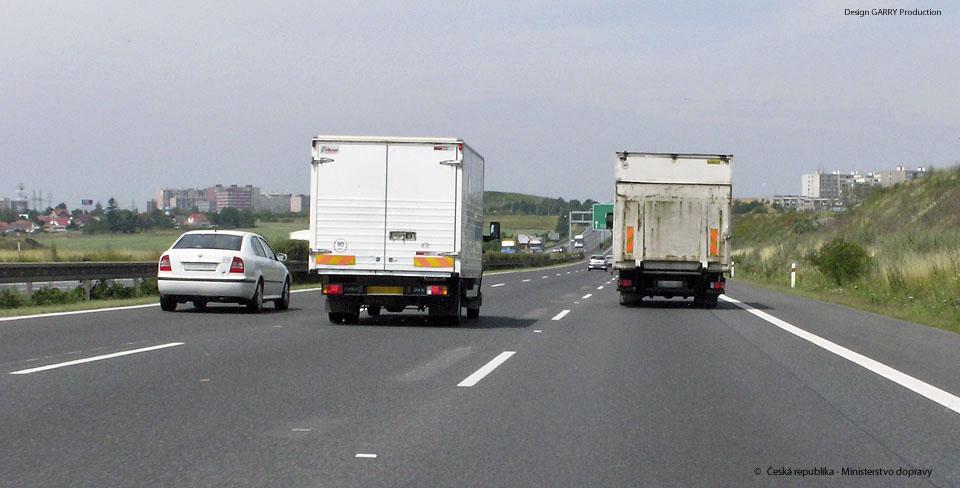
<point x="578" y="241"/>
<point x="397" y="222"/>
<point x="536" y="244"/>
<point x="508" y="247"/>
<point x="671" y="224"/>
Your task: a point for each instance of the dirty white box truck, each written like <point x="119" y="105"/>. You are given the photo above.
<point x="397" y="222"/>
<point x="671" y="223"/>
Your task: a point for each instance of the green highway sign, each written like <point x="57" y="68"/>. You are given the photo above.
<point x="600" y="211"/>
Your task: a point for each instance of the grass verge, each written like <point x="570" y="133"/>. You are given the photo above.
<point x="916" y="312"/>
<point x="73" y="307"/>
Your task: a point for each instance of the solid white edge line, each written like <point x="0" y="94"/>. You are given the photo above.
<point x="588" y="295"/>
<point x="96" y="358"/>
<point x="560" y="315"/>
<point x="917" y="386"/>
<point x="498" y="284"/>
<point x="486" y="369"/>
<point x="77" y="312"/>
<point x="303" y="290"/>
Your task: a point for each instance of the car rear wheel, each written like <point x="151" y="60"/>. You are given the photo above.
<point x="283" y="302"/>
<point x="255" y="304"/>
<point x="168" y="304"/>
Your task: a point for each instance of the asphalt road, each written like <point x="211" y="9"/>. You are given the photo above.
<point x="594" y="394"/>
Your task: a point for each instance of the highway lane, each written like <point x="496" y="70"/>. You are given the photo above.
<point x="663" y="394"/>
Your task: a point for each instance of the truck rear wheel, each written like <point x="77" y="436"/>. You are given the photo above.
<point x="627" y="298"/>
<point x="373" y="310"/>
<point x="473" y="313"/>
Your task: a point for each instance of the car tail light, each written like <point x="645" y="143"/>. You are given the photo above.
<point x="437" y="290"/>
<point x="333" y="289"/>
<point x="717" y="285"/>
<point x="165" y="263"/>
<point x="236" y="266"/>
<point x="625" y="283"/>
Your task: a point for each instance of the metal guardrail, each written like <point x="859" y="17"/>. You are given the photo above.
<point x="93" y="271"/>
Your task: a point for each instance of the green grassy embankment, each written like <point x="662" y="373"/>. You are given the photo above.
<point x="910" y="231"/>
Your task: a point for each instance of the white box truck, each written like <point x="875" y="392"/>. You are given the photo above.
<point x="671" y="223"/>
<point x="397" y="222"/>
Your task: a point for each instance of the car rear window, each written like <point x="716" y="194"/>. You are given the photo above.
<point x="225" y="242"/>
<point x="596" y="257"/>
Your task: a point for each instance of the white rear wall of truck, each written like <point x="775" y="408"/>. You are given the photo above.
<point x="399" y="205"/>
<point x="674" y="208"/>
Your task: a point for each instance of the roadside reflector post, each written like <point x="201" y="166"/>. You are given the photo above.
<point x="793" y="275"/>
<point x="86" y="289"/>
<point x="733" y="268"/>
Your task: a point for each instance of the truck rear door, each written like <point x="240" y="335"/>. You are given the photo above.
<point x="421" y="210"/>
<point x="349" y="205"/>
<point x="673" y="230"/>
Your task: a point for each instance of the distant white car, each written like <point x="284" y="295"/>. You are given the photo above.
<point x="223" y="266"/>
<point x="597" y="262"/>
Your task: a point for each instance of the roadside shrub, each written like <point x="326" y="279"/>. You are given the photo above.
<point x="10" y="299"/>
<point x="149" y="287"/>
<point x="843" y="261"/>
<point x="53" y="296"/>
<point x="295" y="250"/>
<point x="106" y="292"/>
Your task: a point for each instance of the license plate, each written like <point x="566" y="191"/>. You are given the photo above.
<point x="199" y="266"/>
<point x="384" y="290"/>
<point x="670" y="284"/>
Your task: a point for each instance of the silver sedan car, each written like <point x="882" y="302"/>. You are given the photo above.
<point x="223" y="266"/>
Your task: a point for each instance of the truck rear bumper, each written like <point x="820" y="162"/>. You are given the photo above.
<point x="648" y="283"/>
<point x="346" y="293"/>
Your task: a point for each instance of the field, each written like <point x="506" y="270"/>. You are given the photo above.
<point x="119" y="247"/>
<point x="512" y="225"/>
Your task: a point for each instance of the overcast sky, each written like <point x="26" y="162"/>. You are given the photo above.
<point x="102" y="99"/>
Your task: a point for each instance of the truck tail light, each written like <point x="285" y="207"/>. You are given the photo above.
<point x="624" y="283"/>
<point x="236" y="266"/>
<point x="165" y="263"/>
<point x="333" y="289"/>
<point x="437" y="290"/>
<point x="717" y="285"/>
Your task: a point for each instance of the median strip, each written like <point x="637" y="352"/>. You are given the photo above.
<point x="909" y="382"/>
<point x="486" y="369"/>
<point x="96" y="358"/>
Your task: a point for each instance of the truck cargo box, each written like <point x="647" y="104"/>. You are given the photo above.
<point x="396" y="205"/>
